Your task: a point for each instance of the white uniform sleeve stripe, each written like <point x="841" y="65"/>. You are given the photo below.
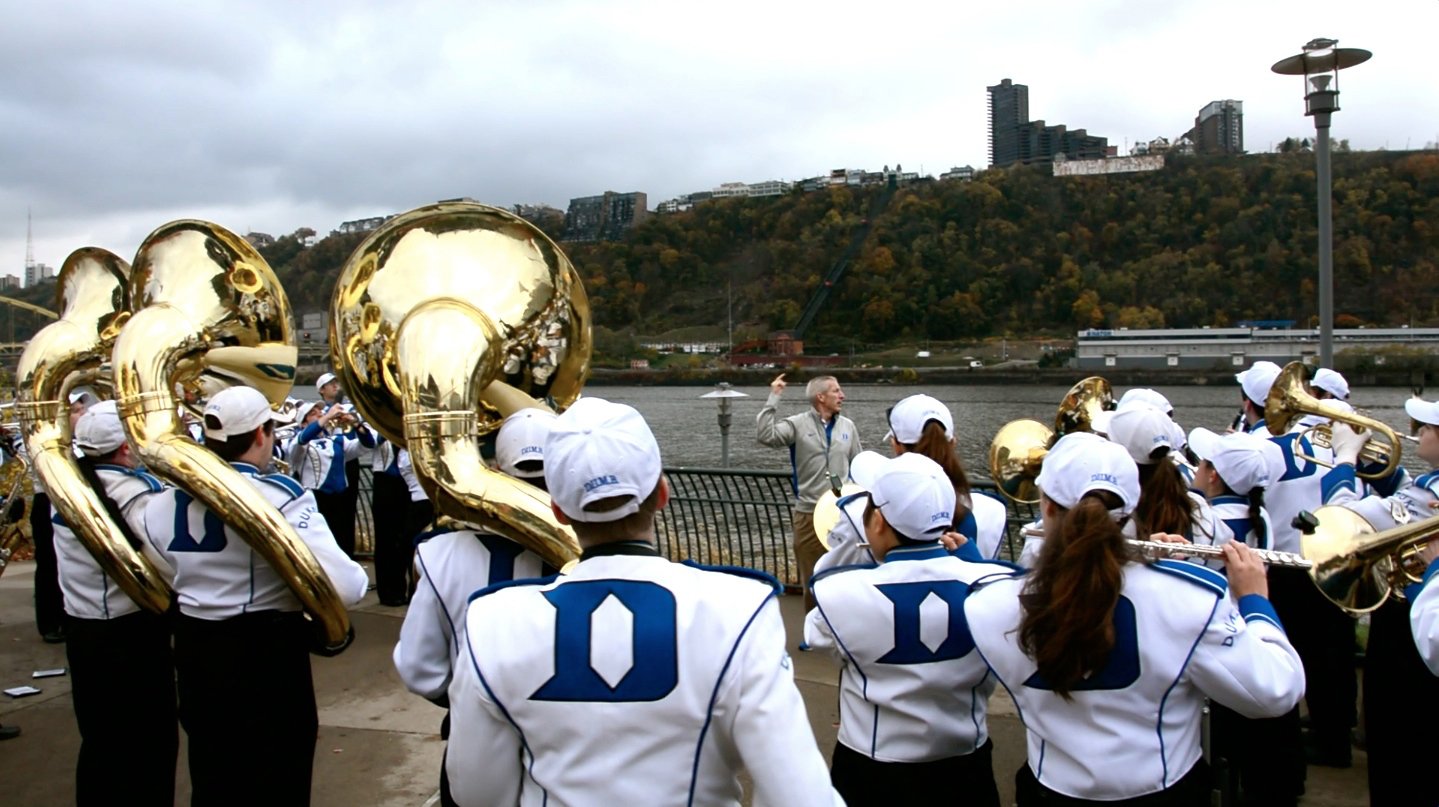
<point x="429" y="578"/>
<point x="524" y="743"/>
<point x="714" y="694"/>
<point x="864" y="679"/>
<point x="1159" y="723"/>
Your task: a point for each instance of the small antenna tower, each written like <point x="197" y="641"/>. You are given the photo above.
<point x="29" y="243"/>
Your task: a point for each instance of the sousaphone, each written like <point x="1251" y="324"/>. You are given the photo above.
<point x="447" y="319"/>
<point x="210" y="313"/>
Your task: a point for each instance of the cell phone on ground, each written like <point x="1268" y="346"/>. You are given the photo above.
<point x="20" y="692"/>
<point x="48" y="673"/>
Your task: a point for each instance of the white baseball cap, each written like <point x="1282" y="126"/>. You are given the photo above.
<point x="865" y="467"/>
<point x="324" y="379"/>
<point x="98" y="432"/>
<point x="1142" y="430"/>
<point x="598" y="450"/>
<point x="238" y="410"/>
<point x="1331" y="382"/>
<point x="907" y="418"/>
<point x="85" y="395"/>
<point x="1141" y="395"/>
<point x="303" y="410"/>
<point x="1082" y="462"/>
<point x="1422" y="410"/>
<point x="915" y="497"/>
<point x="522" y="439"/>
<point x="1244" y="461"/>
<point x="1257" y="380"/>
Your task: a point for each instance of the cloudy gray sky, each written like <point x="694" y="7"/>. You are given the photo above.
<point x="273" y="115"/>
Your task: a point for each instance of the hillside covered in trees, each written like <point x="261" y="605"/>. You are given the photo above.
<point x="1206" y="241"/>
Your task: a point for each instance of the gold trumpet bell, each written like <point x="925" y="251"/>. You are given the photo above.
<point x="447" y="319"/>
<point x="1351" y="578"/>
<point x="1290" y="398"/>
<point x="1015" y="457"/>
<point x="1084" y="401"/>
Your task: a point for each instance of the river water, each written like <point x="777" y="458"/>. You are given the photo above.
<point x="688" y="432"/>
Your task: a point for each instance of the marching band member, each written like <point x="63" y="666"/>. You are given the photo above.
<point x="242" y="644"/>
<point x="1397" y="675"/>
<point x="922" y="424"/>
<point x="451" y="564"/>
<point x="121" y="670"/>
<point x="318" y="460"/>
<point x="342" y="519"/>
<point x="1234" y="471"/>
<point x="575" y="689"/>
<point x="49" y="598"/>
<point x="1165" y="503"/>
<point x="1109" y="657"/>
<point x="394" y="549"/>
<point x="912" y="709"/>
<point x="1323" y="634"/>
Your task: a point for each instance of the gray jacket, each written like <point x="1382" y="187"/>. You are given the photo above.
<point x="817" y="453"/>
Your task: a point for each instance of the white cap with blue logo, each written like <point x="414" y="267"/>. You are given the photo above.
<point x="600" y="450"/>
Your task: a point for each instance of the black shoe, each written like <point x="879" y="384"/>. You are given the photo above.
<point x="395" y="602"/>
<point x="56" y="636"/>
<point x="9" y="732"/>
<point x="1328" y="755"/>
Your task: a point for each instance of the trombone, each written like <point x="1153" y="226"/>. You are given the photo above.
<point x="1290" y="399"/>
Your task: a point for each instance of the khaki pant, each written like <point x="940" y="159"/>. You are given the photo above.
<point x="807" y="551"/>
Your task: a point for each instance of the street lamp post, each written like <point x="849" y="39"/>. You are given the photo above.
<point x="724" y="394"/>
<point x="1319" y="64"/>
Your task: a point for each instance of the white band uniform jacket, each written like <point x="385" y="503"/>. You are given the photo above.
<point x="450" y="566"/>
<point x="912" y="689"/>
<point x="1304" y="486"/>
<point x="630" y="681"/>
<point x="1133" y="727"/>
<point x="90" y="593"/>
<point x="218" y="575"/>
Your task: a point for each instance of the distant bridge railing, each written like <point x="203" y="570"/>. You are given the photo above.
<point x="744" y="518"/>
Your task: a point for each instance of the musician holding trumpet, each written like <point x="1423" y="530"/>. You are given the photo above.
<point x="1399" y="689"/>
<point x="330" y="439"/>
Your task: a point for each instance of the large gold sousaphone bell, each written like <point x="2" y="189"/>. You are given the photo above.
<point x="447" y="319"/>
<point x="210" y="313"/>
<point x="93" y="299"/>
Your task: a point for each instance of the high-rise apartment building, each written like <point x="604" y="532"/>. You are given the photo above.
<point x="1219" y="128"/>
<point x="605" y="217"/>
<point x="1008" y="110"/>
<point x="1014" y="138"/>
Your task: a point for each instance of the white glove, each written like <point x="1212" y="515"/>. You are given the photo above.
<point x="1346" y="443"/>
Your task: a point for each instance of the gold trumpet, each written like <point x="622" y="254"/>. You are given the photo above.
<point x="211" y="313"/>
<point x="94" y="302"/>
<point x="446" y="319"/>
<point x="1290" y="398"/>
<point x="1079" y="407"/>
<point x="1357" y="567"/>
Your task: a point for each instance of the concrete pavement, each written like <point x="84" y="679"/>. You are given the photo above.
<point x="378" y="744"/>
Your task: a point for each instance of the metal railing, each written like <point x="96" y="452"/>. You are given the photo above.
<point x="726" y="517"/>
<point x="745" y="518"/>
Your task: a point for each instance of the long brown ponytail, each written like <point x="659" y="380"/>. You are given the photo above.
<point x="935" y="444"/>
<point x="1068" y="602"/>
<point x="1164" y="501"/>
